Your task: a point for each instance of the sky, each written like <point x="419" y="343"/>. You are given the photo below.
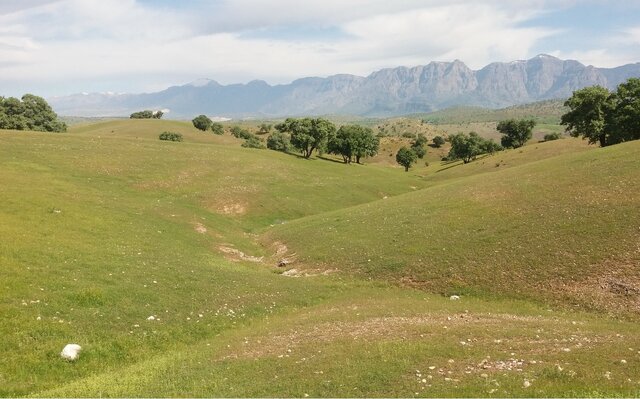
<point x="60" y="47"/>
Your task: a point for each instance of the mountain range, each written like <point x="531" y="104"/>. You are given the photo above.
<point x="387" y="92"/>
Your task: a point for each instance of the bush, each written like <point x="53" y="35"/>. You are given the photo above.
<point x="217" y="128"/>
<point x="170" y="136"/>
<point x="408" y="135"/>
<point x="241" y="133"/>
<point x="551" y="136"/>
<point x="438" y="141"/>
<point x="253" y="142"/>
<point x="278" y="141"/>
<point x="202" y="122"/>
<point x="146" y="114"/>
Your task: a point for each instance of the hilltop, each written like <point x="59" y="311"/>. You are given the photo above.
<point x="388" y="92"/>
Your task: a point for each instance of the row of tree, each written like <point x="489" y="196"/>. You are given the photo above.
<point x="29" y="113"/>
<point x="605" y="117"/>
<point x="351" y="142"/>
<point x="147" y="114"/>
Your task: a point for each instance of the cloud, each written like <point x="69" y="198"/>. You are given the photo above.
<point x="84" y="45"/>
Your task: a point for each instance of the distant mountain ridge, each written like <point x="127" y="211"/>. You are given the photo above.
<point x="387" y="92"/>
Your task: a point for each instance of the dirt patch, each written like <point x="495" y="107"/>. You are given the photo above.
<point x="199" y="227"/>
<point x="308" y="273"/>
<point x="235" y="209"/>
<point x="236" y="255"/>
<point x="615" y="288"/>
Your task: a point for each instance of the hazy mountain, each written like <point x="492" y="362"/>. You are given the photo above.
<point x="386" y="92"/>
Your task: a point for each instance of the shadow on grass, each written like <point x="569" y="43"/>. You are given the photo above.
<point x="323" y="158"/>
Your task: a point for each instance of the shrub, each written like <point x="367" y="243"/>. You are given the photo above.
<point x="170" y="136"/>
<point x="278" y="141"/>
<point x="253" y="142"/>
<point x="408" y="135"/>
<point x="551" y="136"/>
<point x="217" y="128"/>
<point x="438" y="141"/>
<point x="241" y="133"/>
<point x="202" y="122"/>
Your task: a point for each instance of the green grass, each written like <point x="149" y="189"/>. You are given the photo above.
<point x="538" y="230"/>
<point x="105" y="226"/>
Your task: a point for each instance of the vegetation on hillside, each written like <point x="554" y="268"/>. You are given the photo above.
<point x="29" y="113"/>
<point x="147" y="114"/>
<point x="604" y="117"/>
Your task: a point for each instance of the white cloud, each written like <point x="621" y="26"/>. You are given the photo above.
<point x="64" y="44"/>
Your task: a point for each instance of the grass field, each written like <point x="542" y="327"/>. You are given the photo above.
<point x="105" y="226"/>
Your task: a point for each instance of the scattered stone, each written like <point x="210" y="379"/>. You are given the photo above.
<point x="151" y="318"/>
<point x="454" y="297"/>
<point x="526" y="383"/>
<point x="71" y="352"/>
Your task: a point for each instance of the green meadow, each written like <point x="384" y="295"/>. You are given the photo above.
<point x="161" y="260"/>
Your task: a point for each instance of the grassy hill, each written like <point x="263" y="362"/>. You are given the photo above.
<point x="105" y="226"/>
<point x="543" y="230"/>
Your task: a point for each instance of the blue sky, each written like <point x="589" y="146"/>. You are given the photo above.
<point x="58" y="47"/>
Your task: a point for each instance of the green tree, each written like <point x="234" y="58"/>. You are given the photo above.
<point x="146" y="114"/>
<point x="308" y="134"/>
<point x="29" y="113"/>
<point x="406" y="157"/>
<point x="516" y="132"/>
<point x="626" y="112"/>
<point x="202" y="122"/>
<point x="240" y="133"/>
<point x="278" y="141"/>
<point x="158" y="114"/>
<point x="589" y="116"/>
<point x="469" y="147"/>
<point x="217" y="128"/>
<point x="438" y="141"/>
<point x="353" y="141"/>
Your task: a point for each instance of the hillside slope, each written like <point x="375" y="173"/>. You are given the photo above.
<point x="561" y="229"/>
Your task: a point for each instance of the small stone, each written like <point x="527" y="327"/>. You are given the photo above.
<point x="151" y="318"/>
<point x="526" y="383"/>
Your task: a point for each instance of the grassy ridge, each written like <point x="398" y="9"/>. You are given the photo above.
<point x="538" y="230"/>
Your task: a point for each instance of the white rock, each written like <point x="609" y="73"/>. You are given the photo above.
<point x="71" y="352"/>
<point x="526" y="383"/>
<point x="151" y="318"/>
<point x="454" y="297"/>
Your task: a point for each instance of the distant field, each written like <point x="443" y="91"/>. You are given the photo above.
<point x="105" y="226"/>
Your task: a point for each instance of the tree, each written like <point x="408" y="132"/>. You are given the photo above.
<point x="202" y="122"/>
<point x="158" y="114"/>
<point x="217" y="128"/>
<point x="406" y="157"/>
<point x="418" y="146"/>
<point x="307" y="134"/>
<point x="353" y="141"/>
<point x="240" y="133"/>
<point x="589" y="114"/>
<point x="438" y="141"/>
<point x="146" y="114"/>
<point x="516" y="132"/>
<point x="278" y="141"/>
<point x="29" y="113"/>
<point x="626" y="112"/>
<point x="465" y="147"/>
